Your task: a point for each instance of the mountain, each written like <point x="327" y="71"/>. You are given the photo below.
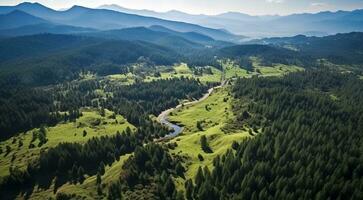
<point x="43" y="28"/>
<point x="340" y="48"/>
<point x="18" y="18"/>
<point x="174" y="41"/>
<point x="47" y="59"/>
<point x="318" y="24"/>
<point x="192" y="36"/>
<point x="109" y="19"/>
<point x="18" y="48"/>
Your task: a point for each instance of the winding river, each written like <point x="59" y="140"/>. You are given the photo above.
<point x="176" y="130"/>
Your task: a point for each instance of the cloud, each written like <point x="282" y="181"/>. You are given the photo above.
<point x="275" y="1"/>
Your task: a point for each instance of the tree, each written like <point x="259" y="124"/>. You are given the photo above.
<point x="200" y="157"/>
<point x="199" y="178"/>
<point x="169" y="187"/>
<point x="80" y="174"/>
<point x="42" y="136"/>
<point x="189" y="189"/>
<point x="84" y="133"/>
<point x="199" y="126"/>
<point x="101" y="168"/>
<point x="204" y="144"/>
<point x="8" y="149"/>
<point x="179" y="169"/>
<point x="98" y="179"/>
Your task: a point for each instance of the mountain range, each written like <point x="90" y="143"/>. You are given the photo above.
<point x="314" y="24"/>
<point x="101" y="19"/>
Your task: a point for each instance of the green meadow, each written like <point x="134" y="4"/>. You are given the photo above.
<point x="213" y="114"/>
<point x="183" y="70"/>
<point x="91" y="121"/>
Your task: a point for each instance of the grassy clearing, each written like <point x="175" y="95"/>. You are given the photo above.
<point x="232" y="70"/>
<point x="213" y="113"/>
<point x="122" y="79"/>
<point x="88" y="189"/>
<point x="92" y="122"/>
<point x="182" y="70"/>
<point x="274" y="70"/>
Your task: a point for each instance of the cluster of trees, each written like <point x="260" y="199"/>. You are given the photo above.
<point x="310" y="146"/>
<point x="199" y="71"/>
<point x="22" y="109"/>
<point x="268" y="55"/>
<point x="67" y="60"/>
<point x="71" y="161"/>
<point x="148" y="173"/>
<point x="25" y="108"/>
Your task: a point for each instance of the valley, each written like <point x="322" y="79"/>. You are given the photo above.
<point x="115" y="103"/>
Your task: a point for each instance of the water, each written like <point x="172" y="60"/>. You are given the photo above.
<point x="176" y="129"/>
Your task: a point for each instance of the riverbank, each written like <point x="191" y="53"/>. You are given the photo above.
<point x="163" y="116"/>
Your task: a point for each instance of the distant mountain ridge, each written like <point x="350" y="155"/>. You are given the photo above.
<point x="322" y="23"/>
<point x="18" y="18"/>
<point x="108" y="19"/>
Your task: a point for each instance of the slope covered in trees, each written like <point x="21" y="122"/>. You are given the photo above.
<point x="310" y="145"/>
<point x="345" y="48"/>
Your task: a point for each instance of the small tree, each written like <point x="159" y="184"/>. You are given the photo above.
<point x="200" y="157"/>
<point x="179" y="169"/>
<point x="199" y="126"/>
<point x="205" y="145"/>
<point x="8" y="149"/>
<point x="80" y="174"/>
<point x="98" y="179"/>
<point x="20" y="143"/>
<point x="189" y="189"/>
<point x="84" y="133"/>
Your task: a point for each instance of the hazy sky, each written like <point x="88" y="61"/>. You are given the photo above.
<point x="255" y="7"/>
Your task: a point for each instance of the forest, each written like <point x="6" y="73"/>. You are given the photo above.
<point x="309" y="148"/>
<point x="154" y="113"/>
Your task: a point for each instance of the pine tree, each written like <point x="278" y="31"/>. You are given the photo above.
<point x="179" y="169"/>
<point x="98" y="179"/>
<point x="189" y="189"/>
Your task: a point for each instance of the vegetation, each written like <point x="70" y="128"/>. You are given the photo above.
<point x="215" y="121"/>
<point x="77" y="118"/>
<point x="303" y="149"/>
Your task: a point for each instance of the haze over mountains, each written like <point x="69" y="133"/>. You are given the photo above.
<point x="100" y="19"/>
<point x="318" y="24"/>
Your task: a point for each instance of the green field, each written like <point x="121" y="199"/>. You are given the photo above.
<point x="213" y="120"/>
<point x="274" y="70"/>
<point x="182" y="70"/>
<point x="122" y="79"/>
<point x="232" y="70"/>
<point x="92" y="122"/>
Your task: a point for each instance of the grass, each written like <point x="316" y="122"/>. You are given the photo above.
<point x="88" y="189"/>
<point x="232" y="70"/>
<point x="63" y="132"/>
<point x="182" y="70"/>
<point x="274" y="70"/>
<point x="213" y="120"/>
<point x="122" y="79"/>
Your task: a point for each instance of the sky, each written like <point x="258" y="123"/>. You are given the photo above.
<point x="253" y="7"/>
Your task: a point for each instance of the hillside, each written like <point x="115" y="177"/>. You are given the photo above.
<point x="76" y="55"/>
<point x="339" y="48"/>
